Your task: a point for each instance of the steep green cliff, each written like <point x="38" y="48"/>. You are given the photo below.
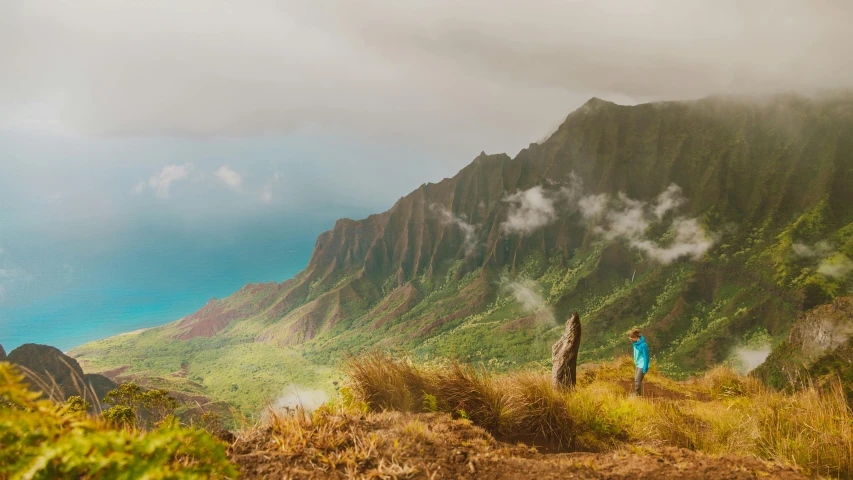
<point x="712" y="224"/>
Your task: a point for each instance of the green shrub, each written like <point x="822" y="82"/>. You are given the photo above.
<point x="42" y="440"/>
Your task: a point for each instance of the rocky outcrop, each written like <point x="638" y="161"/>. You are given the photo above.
<point x="56" y="374"/>
<point x="821" y="337"/>
<point x="2" y="354"/>
<point x="564" y="356"/>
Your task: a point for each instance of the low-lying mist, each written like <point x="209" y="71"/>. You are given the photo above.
<point x="748" y="359"/>
<point x="294" y="396"/>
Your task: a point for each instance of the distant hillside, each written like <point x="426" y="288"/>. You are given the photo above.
<point x="712" y="224"/>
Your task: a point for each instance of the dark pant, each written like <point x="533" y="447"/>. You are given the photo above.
<point x="638" y="381"/>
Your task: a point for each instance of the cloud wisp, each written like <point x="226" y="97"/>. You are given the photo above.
<point x="161" y="182"/>
<point x="295" y="396"/>
<point x="749" y="358"/>
<point x="469" y="231"/>
<point x="268" y="191"/>
<point x="526" y="293"/>
<point x="628" y="220"/>
<point x="830" y="262"/>
<point x="229" y="177"/>
<point x="530" y="210"/>
<point x="614" y="218"/>
<point x="836" y="266"/>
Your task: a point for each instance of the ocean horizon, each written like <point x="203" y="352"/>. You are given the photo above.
<point x="80" y="290"/>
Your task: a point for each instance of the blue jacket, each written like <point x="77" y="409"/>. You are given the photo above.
<point x="641" y="354"/>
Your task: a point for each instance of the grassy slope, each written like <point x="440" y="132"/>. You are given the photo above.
<point x="720" y="413"/>
<point x="763" y="176"/>
<point x="233" y="369"/>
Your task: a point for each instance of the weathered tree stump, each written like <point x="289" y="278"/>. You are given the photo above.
<point x="564" y="355"/>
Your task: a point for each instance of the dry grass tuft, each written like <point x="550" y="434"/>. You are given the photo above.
<point x="724" y="383"/>
<point x="342" y="441"/>
<point x="540" y="411"/>
<point x="474" y="394"/>
<point x="387" y="384"/>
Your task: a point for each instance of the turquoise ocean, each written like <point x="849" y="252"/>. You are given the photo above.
<point x="78" y="288"/>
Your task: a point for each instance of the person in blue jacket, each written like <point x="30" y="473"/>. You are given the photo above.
<point x="641" y="359"/>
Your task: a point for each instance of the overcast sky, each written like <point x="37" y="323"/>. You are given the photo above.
<point x="402" y="91"/>
<point x="492" y="74"/>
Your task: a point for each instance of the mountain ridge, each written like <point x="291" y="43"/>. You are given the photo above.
<point x="744" y="182"/>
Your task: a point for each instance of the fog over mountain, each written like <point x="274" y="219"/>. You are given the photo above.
<point x="475" y="75"/>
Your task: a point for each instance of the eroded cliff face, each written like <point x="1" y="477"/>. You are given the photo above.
<point x="759" y="176"/>
<point x="820" y="343"/>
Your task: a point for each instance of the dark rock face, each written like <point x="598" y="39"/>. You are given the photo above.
<point x="2" y="354"/>
<point x="56" y="374"/>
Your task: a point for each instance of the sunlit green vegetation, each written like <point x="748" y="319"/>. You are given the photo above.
<point x="41" y="439"/>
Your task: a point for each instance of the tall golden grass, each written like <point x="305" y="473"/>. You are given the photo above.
<point x="720" y="413"/>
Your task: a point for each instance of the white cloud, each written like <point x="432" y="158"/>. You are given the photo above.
<point x="690" y="241"/>
<point x="668" y="200"/>
<point x="593" y="206"/>
<point x="527" y="295"/>
<point x="229" y="177"/>
<point x="468" y="230"/>
<point x="628" y="220"/>
<point x="161" y="181"/>
<point x="830" y="262"/>
<point x="620" y="218"/>
<point x="836" y="266"/>
<point x="821" y="249"/>
<point x="748" y="359"/>
<point x="530" y="210"/>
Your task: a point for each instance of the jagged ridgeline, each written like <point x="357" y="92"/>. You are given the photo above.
<point x="712" y="224"/>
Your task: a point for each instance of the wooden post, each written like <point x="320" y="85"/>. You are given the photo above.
<point x="564" y="355"/>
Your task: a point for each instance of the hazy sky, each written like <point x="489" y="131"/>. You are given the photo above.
<point x="471" y="75"/>
<point x="314" y="102"/>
